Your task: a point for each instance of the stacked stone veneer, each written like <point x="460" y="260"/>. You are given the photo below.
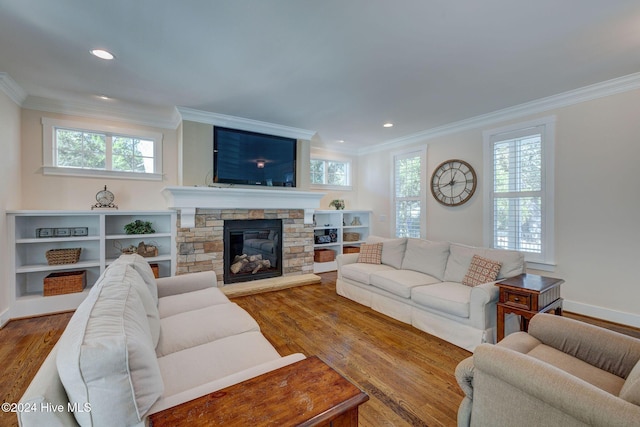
<point x="202" y="249"/>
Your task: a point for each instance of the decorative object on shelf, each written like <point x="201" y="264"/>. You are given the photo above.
<point x="322" y="239"/>
<point x="349" y="236"/>
<point x="143" y="249"/>
<point x="356" y="221"/>
<point x="139" y="227"/>
<point x="333" y="235"/>
<point x="62" y="232"/>
<point x="64" y="282"/>
<point x="63" y="256"/>
<point x="453" y="182"/>
<point x="45" y="232"/>
<point x="104" y="200"/>
<point x="337" y="203"/>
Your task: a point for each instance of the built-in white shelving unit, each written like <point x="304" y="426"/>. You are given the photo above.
<point x="339" y="222"/>
<point x="104" y="238"/>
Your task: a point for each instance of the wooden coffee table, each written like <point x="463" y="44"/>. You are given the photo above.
<point x="527" y="295"/>
<point x="305" y="393"/>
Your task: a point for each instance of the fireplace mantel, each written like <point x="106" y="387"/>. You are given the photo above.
<point x="187" y="199"/>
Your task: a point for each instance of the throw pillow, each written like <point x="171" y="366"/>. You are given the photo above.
<point x="370" y="253"/>
<point x="482" y="270"/>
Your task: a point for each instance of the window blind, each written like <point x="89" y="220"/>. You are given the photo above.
<point x="408" y="194"/>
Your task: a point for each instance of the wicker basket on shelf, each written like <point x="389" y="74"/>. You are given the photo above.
<point x="63" y="256"/>
<point x="349" y="236"/>
<point x="323" y="255"/>
<point x="65" y="282"/>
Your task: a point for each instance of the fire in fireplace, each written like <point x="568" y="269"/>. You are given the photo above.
<point x="252" y="249"/>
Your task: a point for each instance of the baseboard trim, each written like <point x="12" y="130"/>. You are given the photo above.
<point x="5" y="316"/>
<point x="602" y="313"/>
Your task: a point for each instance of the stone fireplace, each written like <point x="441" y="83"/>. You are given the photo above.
<point x="204" y="210"/>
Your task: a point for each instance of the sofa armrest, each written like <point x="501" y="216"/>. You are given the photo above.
<point x="587" y="342"/>
<point x="485" y="293"/>
<point x="344" y="259"/>
<point x="545" y="384"/>
<point x="183" y="283"/>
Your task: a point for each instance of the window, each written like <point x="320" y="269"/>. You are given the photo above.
<point x="330" y="173"/>
<point x="409" y="183"/>
<point x="72" y="148"/>
<point x="519" y="177"/>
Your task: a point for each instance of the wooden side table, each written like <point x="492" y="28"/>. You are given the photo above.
<point x="305" y="393"/>
<point x="527" y="295"/>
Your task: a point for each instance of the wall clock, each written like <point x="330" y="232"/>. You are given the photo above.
<point x="453" y="182"/>
<point x="105" y="200"/>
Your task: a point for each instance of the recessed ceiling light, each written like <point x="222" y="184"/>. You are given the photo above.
<point x="105" y="97"/>
<point x="341" y="141"/>
<point x="388" y="125"/>
<point x="102" y="54"/>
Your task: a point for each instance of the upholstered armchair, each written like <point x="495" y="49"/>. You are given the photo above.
<point x="561" y="373"/>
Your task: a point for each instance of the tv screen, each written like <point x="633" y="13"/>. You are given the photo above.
<point x="250" y="158"/>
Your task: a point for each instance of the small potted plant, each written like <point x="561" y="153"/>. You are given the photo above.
<point x="337" y="203"/>
<point x="139" y="227"/>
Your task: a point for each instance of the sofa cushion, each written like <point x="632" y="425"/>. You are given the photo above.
<point x="460" y="260"/>
<point x="106" y="357"/>
<point x="482" y="270"/>
<point x="361" y="272"/>
<point x="631" y="389"/>
<point x="117" y="273"/>
<point x="392" y="250"/>
<point x="447" y="297"/>
<point x="179" y="303"/>
<point x="370" y="253"/>
<point x="400" y="282"/>
<point x="186" y="369"/>
<point x="198" y="327"/>
<point x="142" y="267"/>
<point x="426" y="257"/>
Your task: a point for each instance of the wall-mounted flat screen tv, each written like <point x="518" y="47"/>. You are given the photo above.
<point x="250" y="158"/>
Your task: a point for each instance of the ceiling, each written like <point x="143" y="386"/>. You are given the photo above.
<point x="338" y="67"/>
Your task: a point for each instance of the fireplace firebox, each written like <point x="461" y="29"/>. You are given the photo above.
<point x="252" y="249"/>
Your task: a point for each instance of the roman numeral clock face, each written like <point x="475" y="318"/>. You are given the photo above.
<point x="453" y="182"/>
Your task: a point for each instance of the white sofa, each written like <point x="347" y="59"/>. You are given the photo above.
<point x="419" y="282"/>
<point x="138" y="345"/>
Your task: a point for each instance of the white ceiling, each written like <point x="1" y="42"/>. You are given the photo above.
<point x="338" y="67"/>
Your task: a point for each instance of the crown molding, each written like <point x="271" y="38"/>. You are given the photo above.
<point x="565" y="99"/>
<point x="12" y="89"/>
<point x="168" y="118"/>
<point x="241" y="123"/>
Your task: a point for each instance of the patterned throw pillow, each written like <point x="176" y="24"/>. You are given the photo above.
<point x="370" y="253"/>
<point x="481" y="270"/>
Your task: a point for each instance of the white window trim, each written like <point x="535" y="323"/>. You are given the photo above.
<point x="347" y="187"/>
<point x="546" y="260"/>
<point x="49" y="166"/>
<point x="423" y="188"/>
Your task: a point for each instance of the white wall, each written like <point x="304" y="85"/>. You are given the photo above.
<point x="78" y="193"/>
<point x="9" y="187"/>
<point x="597" y="201"/>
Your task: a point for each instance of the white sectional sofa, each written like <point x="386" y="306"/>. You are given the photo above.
<point x="419" y="282"/>
<point x="138" y="345"/>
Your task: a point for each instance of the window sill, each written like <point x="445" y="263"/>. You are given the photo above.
<point x="95" y="173"/>
<point x="542" y="266"/>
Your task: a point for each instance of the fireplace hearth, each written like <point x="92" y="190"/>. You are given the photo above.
<point x="252" y="249"/>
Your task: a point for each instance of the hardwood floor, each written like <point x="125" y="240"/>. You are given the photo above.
<point x="24" y="344"/>
<point x="407" y="373"/>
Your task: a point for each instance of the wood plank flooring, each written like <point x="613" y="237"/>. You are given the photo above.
<point x="407" y="373"/>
